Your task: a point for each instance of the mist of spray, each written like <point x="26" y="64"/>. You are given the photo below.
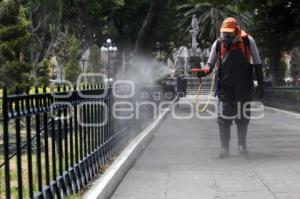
<point x="144" y="73"/>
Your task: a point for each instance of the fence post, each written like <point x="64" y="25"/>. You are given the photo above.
<point x="29" y="143"/>
<point x="6" y="144"/>
<point x="18" y="144"/>
<point x="38" y="140"/>
<point x="46" y="136"/>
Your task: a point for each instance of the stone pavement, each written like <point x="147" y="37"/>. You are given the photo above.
<point x="182" y="162"/>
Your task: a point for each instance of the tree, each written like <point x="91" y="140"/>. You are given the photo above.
<point x="61" y="47"/>
<point x="167" y="31"/>
<point x="211" y="15"/>
<point x="144" y="36"/>
<point x="295" y="62"/>
<point x="276" y="29"/>
<point x="43" y="74"/>
<point x="123" y="25"/>
<point x="14" y="35"/>
<point x="44" y="28"/>
<point x="51" y="19"/>
<point x="72" y="69"/>
<point x="88" y="20"/>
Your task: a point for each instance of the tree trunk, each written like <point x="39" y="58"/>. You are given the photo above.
<point x="275" y="58"/>
<point x="144" y="35"/>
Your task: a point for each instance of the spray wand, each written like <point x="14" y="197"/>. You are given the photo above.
<point x="205" y="70"/>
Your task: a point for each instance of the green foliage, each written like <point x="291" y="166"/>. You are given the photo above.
<point x="123" y="23"/>
<point x="276" y="24"/>
<point x="210" y="15"/>
<point x="13" y="37"/>
<point x="94" y="59"/>
<point x="52" y="20"/>
<point x="86" y="18"/>
<point x="15" y="73"/>
<point x="160" y="56"/>
<point x="275" y="28"/>
<point x="77" y="196"/>
<point x="295" y="62"/>
<point x="43" y="74"/>
<point x="168" y="30"/>
<point x="72" y="69"/>
<point x="61" y="48"/>
<point x="44" y="28"/>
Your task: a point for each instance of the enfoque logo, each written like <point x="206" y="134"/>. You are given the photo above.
<point x="126" y="109"/>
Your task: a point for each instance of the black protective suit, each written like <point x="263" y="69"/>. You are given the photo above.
<point x="235" y="90"/>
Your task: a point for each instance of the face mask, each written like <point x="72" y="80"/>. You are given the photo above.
<point x="228" y="39"/>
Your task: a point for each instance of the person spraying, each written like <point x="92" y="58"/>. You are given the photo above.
<point x="235" y="56"/>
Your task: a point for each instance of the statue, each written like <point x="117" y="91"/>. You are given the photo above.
<point x="194" y="33"/>
<point x="195" y="24"/>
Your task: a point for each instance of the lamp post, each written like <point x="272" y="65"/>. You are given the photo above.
<point x="111" y="50"/>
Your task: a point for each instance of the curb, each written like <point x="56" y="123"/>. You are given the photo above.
<point x="105" y="186"/>
<point x="297" y="115"/>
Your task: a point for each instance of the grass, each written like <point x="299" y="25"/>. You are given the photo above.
<point x="12" y="129"/>
<point x="24" y="157"/>
<point x="77" y="196"/>
<point x="13" y="168"/>
<point x="14" y="178"/>
<point x="13" y="161"/>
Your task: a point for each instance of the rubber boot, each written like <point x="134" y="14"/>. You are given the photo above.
<point x="225" y="139"/>
<point x="242" y="139"/>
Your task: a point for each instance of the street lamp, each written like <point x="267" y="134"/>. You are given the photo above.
<point x="111" y="50"/>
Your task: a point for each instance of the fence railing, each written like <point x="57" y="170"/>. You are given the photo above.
<point x="55" y="143"/>
<point x="283" y="98"/>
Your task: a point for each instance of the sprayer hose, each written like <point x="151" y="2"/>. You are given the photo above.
<point x="210" y="95"/>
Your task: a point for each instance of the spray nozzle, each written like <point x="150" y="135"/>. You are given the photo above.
<point x="197" y="70"/>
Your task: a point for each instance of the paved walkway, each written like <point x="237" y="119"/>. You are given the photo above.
<point x="182" y="162"/>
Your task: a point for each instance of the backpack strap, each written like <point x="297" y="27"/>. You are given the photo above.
<point x="218" y="47"/>
<point x="246" y="42"/>
<point x="247" y="47"/>
<point x="218" y="52"/>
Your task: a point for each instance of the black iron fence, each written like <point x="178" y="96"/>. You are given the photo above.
<point x="287" y="98"/>
<point x="54" y="143"/>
